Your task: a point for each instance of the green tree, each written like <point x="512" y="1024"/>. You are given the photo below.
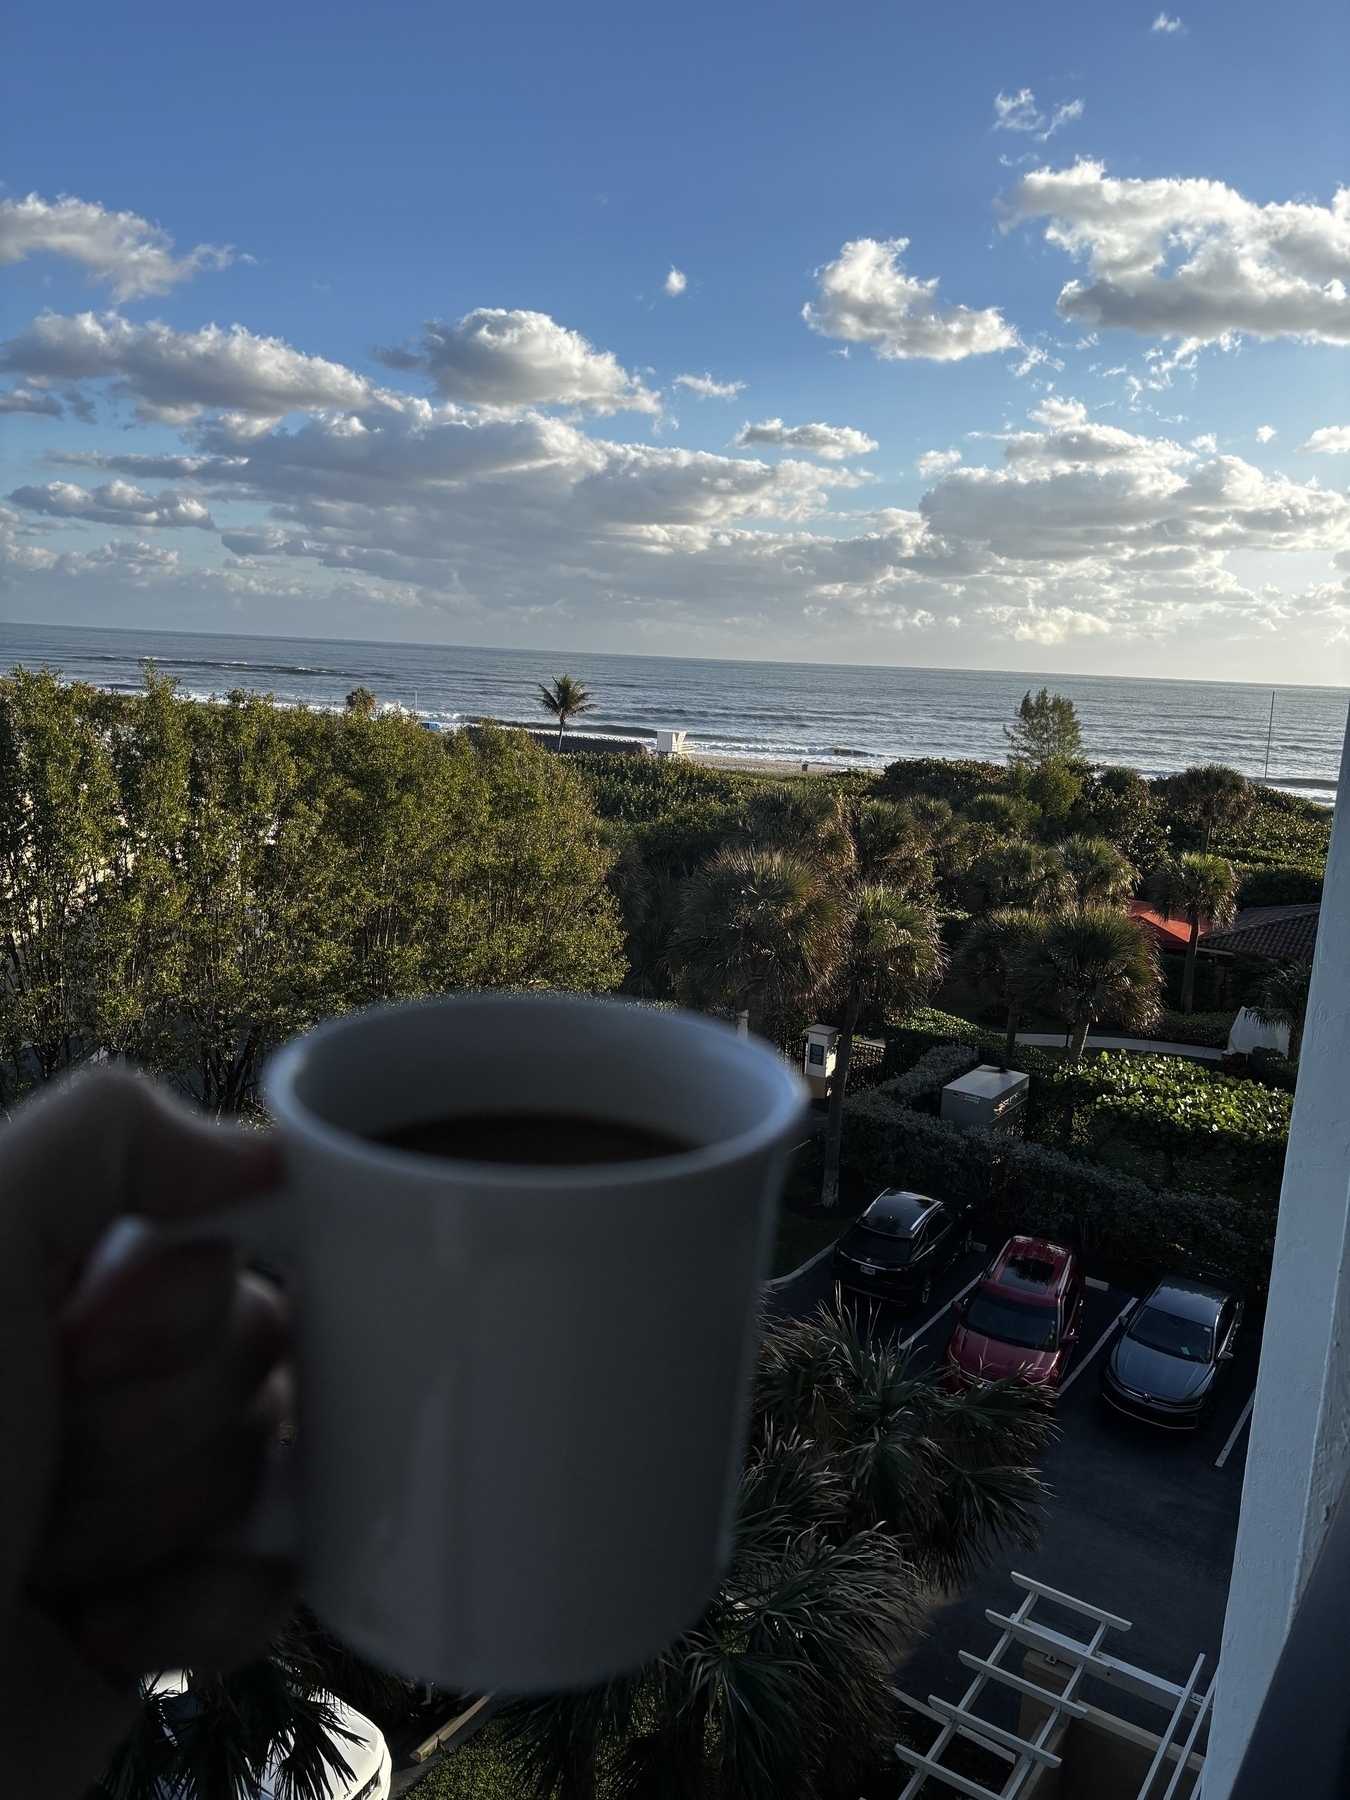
<point x="992" y="959"/>
<point x="1091" y="964"/>
<point x="533" y="907"/>
<point x="260" y="958"/>
<point x="758" y="933"/>
<point x="58" y="830"/>
<point x="1208" y="796"/>
<point x="1202" y="890"/>
<point x="217" y="1737"/>
<point x="866" y="1485"/>
<point x="1118" y="806"/>
<point x="361" y="703"/>
<point x="1101" y="876"/>
<point x="1045" y="729"/>
<point x="887" y="959"/>
<point x="566" y="700"/>
<point x="1282" y="999"/>
<point x="136" y="950"/>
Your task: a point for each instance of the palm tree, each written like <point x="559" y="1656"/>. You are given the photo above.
<point x="757" y="932"/>
<point x="1091" y="964"/>
<point x="1101" y="876"/>
<point x="891" y="845"/>
<point x="1200" y="889"/>
<point x="361" y="704"/>
<point x="1283" y="1000"/>
<point x="888" y="958"/>
<point x="215" y="1739"/>
<point x="566" y="699"/>
<point x="991" y="959"/>
<point x="1017" y="874"/>
<point x="1212" y="793"/>
<point x="866" y="1483"/>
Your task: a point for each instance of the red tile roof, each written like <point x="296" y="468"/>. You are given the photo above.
<point x="1166" y="934"/>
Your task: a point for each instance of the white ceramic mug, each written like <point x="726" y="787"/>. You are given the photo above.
<point x="522" y="1389"/>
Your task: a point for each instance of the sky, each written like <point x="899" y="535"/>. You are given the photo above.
<point x="970" y="336"/>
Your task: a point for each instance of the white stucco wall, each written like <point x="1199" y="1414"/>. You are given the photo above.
<point x="1299" y="1451"/>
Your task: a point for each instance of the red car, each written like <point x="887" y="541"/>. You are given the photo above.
<point x="1023" y="1319"/>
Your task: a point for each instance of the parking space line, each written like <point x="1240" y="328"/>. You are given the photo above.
<point x="928" y="1323"/>
<point x="1105" y="1338"/>
<point x="1236" y="1432"/>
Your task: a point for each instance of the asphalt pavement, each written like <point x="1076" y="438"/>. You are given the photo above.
<point x="1140" y="1522"/>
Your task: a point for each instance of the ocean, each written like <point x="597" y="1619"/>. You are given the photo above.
<point x="829" y="715"/>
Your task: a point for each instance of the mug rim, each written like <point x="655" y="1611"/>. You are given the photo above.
<point x="284" y="1068"/>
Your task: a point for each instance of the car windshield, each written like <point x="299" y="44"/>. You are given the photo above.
<point x="1012" y="1321"/>
<point x="1164" y="1331"/>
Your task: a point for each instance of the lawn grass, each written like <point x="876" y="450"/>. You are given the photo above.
<point x="799" y="1239"/>
<point x="478" y="1770"/>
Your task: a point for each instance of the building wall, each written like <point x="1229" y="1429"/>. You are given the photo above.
<point x="1299" y="1450"/>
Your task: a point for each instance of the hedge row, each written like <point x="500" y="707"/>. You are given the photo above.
<point x="1192" y="1107"/>
<point x="1208" y="1028"/>
<point x="925" y="1081"/>
<point x="1274" y="1070"/>
<point x="1030" y="1187"/>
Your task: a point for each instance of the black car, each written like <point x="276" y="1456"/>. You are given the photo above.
<point x="903" y="1241"/>
<point x="1166" y="1365"/>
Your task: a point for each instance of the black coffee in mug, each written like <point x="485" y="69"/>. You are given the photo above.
<point x="532" y="1137"/>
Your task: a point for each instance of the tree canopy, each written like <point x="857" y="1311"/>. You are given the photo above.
<point x="188" y="884"/>
<point x="1045" y="729"/>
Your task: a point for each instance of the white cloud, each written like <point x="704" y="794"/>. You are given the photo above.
<point x="676" y="282"/>
<point x="174" y="376"/>
<point x="708" y="389"/>
<point x="30" y="400"/>
<point x="1329" y="440"/>
<point x="833" y="442"/>
<point x="1019" y="112"/>
<point x="115" y="503"/>
<point x="118" y="247"/>
<point x="1078" y="529"/>
<point x="937" y="462"/>
<point x="867" y="298"/>
<point x="1264" y="433"/>
<point x="512" y="360"/>
<point x="1193" y="259"/>
<point x="1164" y="23"/>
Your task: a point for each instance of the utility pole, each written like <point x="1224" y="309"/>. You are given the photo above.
<point x="1269" y="728"/>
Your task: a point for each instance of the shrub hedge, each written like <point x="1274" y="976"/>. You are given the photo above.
<point x="923" y="1084"/>
<point x="1193" y="1105"/>
<point x="1281" y="884"/>
<point x="1274" y="1070"/>
<point x="1208" y="1028"/>
<point x="1031" y="1187"/>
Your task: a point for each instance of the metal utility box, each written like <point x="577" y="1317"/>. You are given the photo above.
<point x="819" y="1058"/>
<point x="988" y="1099"/>
<point x="670" y="743"/>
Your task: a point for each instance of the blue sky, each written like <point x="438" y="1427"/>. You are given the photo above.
<point x="1114" y="437"/>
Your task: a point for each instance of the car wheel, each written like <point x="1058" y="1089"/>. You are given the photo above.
<point x="925" y="1290"/>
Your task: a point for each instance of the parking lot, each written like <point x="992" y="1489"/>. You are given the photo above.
<point x="1140" y="1521"/>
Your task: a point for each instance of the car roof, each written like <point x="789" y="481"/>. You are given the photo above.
<point x="1031" y="1266"/>
<point x="1185" y="1298"/>
<point x="902" y="1210"/>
